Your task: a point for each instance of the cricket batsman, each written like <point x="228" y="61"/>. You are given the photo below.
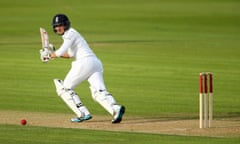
<point x="86" y="66"/>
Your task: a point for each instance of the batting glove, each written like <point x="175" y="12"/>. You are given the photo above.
<point x="52" y="47"/>
<point x="45" y="55"/>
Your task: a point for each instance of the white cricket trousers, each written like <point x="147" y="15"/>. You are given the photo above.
<point x="89" y="68"/>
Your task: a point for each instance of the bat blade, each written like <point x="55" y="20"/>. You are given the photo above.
<point x="44" y="38"/>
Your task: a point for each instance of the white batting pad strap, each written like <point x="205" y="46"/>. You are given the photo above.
<point x="71" y="104"/>
<point x="78" y="103"/>
<point x="104" y="98"/>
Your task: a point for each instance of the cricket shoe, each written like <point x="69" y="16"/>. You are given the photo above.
<point x="81" y="119"/>
<point x="118" y="114"/>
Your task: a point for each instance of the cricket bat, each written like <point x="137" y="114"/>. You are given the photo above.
<point x="44" y="38"/>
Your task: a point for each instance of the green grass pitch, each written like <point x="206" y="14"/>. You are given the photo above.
<point x="152" y="51"/>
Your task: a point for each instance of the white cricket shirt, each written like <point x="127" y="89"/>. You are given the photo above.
<point x="75" y="45"/>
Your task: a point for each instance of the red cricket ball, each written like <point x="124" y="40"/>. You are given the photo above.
<point x="23" y="122"/>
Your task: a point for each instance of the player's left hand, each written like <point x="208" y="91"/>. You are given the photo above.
<point x="45" y="55"/>
<point x="52" y="47"/>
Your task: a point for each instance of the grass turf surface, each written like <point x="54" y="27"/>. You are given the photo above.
<point x="17" y="134"/>
<point x="152" y="51"/>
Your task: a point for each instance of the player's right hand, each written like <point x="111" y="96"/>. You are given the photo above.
<point x="45" y="55"/>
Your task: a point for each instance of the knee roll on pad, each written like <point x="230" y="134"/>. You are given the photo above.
<point x="61" y="90"/>
<point x="59" y="86"/>
<point x="104" y="98"/>
<point x="102" y="95"/>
